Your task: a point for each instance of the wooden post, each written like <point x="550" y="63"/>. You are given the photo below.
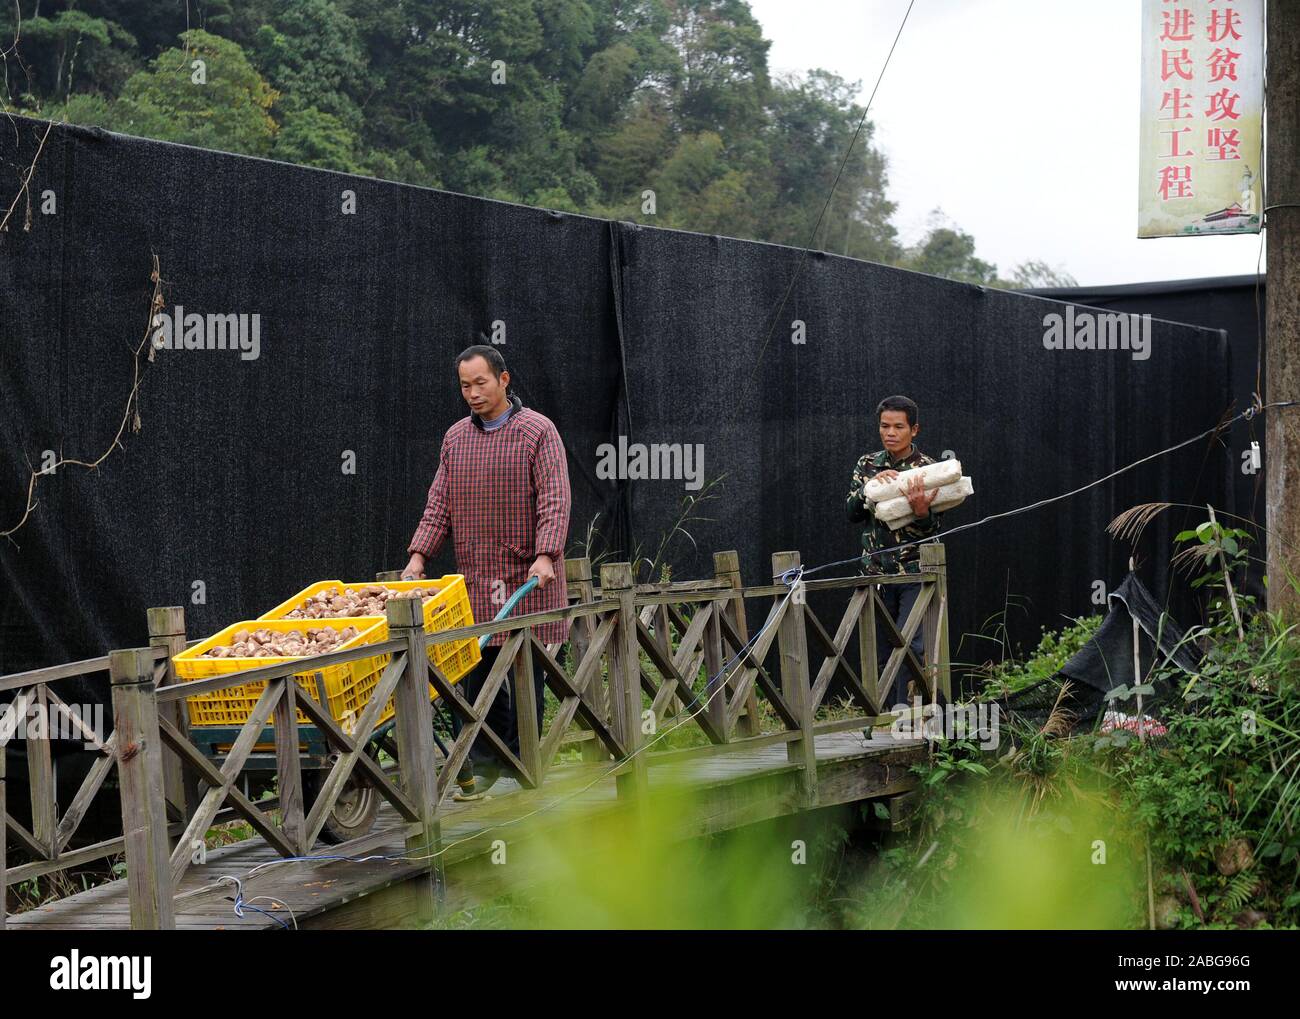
<point x="795" y="684"/>
<point x="527" y="710"/>
<point x="715" y="689"/>
<point x="581" y="590"/>
<point x="140" y="779"/>
<point x="40" y="778"/>
<point x="414" y="729"/>
<point x="4" y="836"/>
<point x="624" y="675"/>
<point x="934" y="560"/>
<point x="1282" y="309"/>
<point x="167" y="630"/>
<point x="870" y="668"/>
<point x="726" y="567"/>
<point x="664" y="639"/>
<point x="288" y="766"/>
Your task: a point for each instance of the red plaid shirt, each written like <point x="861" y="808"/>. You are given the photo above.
<point x="504" y="497"/>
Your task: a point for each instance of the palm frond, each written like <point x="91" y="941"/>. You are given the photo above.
<point x="1130" y="524"/>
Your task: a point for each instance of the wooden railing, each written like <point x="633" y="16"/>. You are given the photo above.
<point x="637" y="654"/>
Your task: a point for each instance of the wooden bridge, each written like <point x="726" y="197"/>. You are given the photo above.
<point x="643" y="660"/>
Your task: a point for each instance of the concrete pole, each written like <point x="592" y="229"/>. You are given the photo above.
<point x="1282" y="330"/>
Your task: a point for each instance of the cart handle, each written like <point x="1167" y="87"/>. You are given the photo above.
<point x="507" y="608"/>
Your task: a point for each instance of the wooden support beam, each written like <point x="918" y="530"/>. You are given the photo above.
<point x="367" y="767"/>
<point x="222" y="782"/>
<point x="582" y="589"/>
<point x="902" y="641"/>
<point x="527" y="711"/>
<point x="4" y="838"/>
<point x="90" y="785"/>
<point x="288" y="768"/>
<point x="715" y="687"/>
<point x="414" y="731"/>
<point x="625" y="676"/>
<point x="834" y="664"/>
<point x="795" y="687"/>
<point x="676" y="682"/>
<point x="726" y="568"/>
<point x="754" y="672"/>
<point x="40" y="778"/>
<point x="868" y="666"/>
<point x="256" y="814"/>
<point x="167" y="631"/>
<point x="140" y="780"/>
<point x="934" y="560"/>
<point x="475" y="718"/>
<point x="834" y="649"/>
<point x="570" y="695"/>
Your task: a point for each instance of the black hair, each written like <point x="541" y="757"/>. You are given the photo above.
<point x="490" y="354"/>
<point x="902" y="403"/>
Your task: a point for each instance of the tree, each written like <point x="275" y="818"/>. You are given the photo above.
<point x="206" y="94"/>
<point x="722" y="81"/>
<point x="1036" y="273"/>
<point x="950" y="252"/>
<point x="56" y="45"/>
<point x="812" y="123"/>
<point x="312" y="137"/>
<point x="311" y="53"/>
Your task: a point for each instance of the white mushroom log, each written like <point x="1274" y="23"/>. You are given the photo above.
<point x="935" y="475"/>
<point x="946" y="498"/>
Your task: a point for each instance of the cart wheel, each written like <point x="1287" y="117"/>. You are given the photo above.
<point x="354" y="811"/>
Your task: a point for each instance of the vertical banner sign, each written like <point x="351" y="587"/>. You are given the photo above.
<point x="1201" y="149"/>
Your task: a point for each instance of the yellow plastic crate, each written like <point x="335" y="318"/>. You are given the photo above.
<point x="449" y="609"/>
<point x="345" y="687"/>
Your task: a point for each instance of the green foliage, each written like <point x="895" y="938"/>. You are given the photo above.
<point x="1053" y="651"/>
<point x="578" y="105"/>
<point x="315" y="138"/>
<point x="206" y="94"/>
<point x="1213" y="547"/>
<point x="951" y="253"/>
<point x="986" y="849"/>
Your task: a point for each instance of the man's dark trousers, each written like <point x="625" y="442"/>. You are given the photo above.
<point x="898" y="600"/>
<point x="501" y="713"/>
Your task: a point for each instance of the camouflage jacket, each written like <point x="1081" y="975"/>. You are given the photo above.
<point x="877" y="535"/>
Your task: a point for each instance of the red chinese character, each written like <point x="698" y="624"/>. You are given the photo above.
<point x="1223" y="106"/>
<point x="1175" y="182"/>
<point x="1223" y="24"/>
<point x="1220" y="141"/>
<point x="1174" y="151"/>
<point x="1178" y="25"/>
<point x="1223" y="64"/>
<point x="1176" y="101"/>
<point x="1172" y="63"/>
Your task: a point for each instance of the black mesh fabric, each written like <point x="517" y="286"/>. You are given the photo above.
<point x="234" y="481"/>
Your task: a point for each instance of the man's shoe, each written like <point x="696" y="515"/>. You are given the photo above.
<point x="489" y="777"/>
<point x="472" y="786"/>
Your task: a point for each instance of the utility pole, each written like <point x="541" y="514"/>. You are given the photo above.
<point x="1282" y="324"/>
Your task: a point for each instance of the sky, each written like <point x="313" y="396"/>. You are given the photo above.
<point x="1017" y="118"/>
